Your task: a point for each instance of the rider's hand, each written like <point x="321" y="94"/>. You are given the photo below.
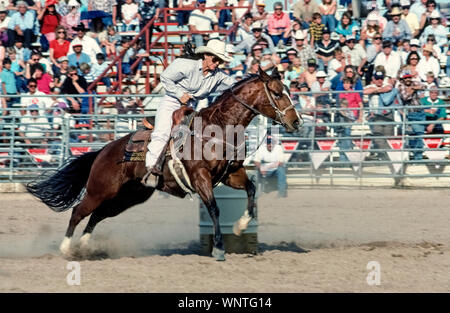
<point x="185" y="98"/>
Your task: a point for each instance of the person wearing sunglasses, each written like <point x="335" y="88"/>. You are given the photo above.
<point x="44" y="103"/>
<point x="436" y="29"/>
<point x="247" y="44"/>
<point x="185" y="81"/>
<point x="279" y="24"/>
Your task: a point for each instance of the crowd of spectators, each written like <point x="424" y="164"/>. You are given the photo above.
<point x="374" y="51"/>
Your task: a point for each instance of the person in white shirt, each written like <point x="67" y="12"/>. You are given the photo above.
<point x="202" y="19"/>
<point x="270" y="160"/>
<point x="389" y="59"/>
<point x="130" y="15"/>
<point x="43" y="103"/>
<point x="90" y="45"/>
<point x="34" y="127"/>
<point x="337" y="64"/>
<point x="355" y="53"/>
<point x="427" y="63"/>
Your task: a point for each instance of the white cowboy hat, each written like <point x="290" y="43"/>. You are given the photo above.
<point x="73" y="3"/>
<point x="395" y="11"/>
<point x="215" y="47"/>
<point x="435" y="14"/>
<point x="299" y="35"/>
<point x="257" y="25"/>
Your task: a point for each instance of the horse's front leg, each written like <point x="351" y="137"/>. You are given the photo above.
<point x="203" y="185"/>
<point x="239" y="180"/>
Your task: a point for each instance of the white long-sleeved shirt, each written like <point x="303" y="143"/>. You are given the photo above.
<point x="391" y="63"/>
<point x="424" y="66"/>
<point x="186" y="76"/>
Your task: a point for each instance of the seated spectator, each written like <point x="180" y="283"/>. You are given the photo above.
<point x="304" y="51"/>
<point x="411" y="64"/>
<point x="437" y="29"/>
<point x="303" y="10"/>
<point x="61" y="72"/>
<point x="98" y="69"/>
<point x="425" y="18"/>
<point x="328" y="10"/>
<point x="396" y="29"/>
<point x="353" y="98"/>
<point x="34" y="128"/>
<point x="254" y="67"/>
<point x="255" y="55"/>
<point x="409" y="96"/>
<point x="59" y="47"/>
<point x="267" y="63"/>
<point x="8" y="83"/>
<point x="247" y="44"/>
<point x="202" y="19"/>
<point x="434" y="111"/>
<point x="4" y="21"/>
<point x="346" y="27"/>
<point x="148" y="9"/>
<point x="260" y="14"/>
<point x="111" y="42"/>
<point x="321" y="84"/>
<point x="410" y="18"/>
<point x="182" y="15"/>
<point x="105" y="6"/>
<point x="337" y="83"/>
<point x="419" y="7"/>
<point x="404" y="50"/>
<point x="86" y="72"/>
<point x="49" y="20"/>
<point x="278" y="24"/>
<point x="78" y="57"/>
<point x="309" y="76"/>
<point x="427" y="63"/>
<point x="292" y="73"/>
<point x="21" y="24"/>
<point x="296" y="25"/>
<point x="18" y="68"/>
<point x="74" y="84"/>
<point x="325" y="50"/>
<point x="389" y="59"/>
<point x="270" y="161"/>
<point x="381" y="96"/>
<point x="129" y="105"/>
<point x="130" y="15"/>
<point x="71" y="20"/>
<point x="316" y="28"/>
<point x="372" y="51"/>
<point x="43" y="103"/>
<point x="44" y="80"/>
<point x="355" y="53"/>
<point x="370" y="30"/>
<point x="23" y="54"/>
<point x="245" y="28"/>
<point x="347" y="116"/>
<point x="371" y="17"/>
<point x="337" y="64"/>
<point x="90" y="45"/>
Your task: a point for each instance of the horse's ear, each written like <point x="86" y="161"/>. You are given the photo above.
<point x="263" y="75"/>
<point x="275" y="73"/>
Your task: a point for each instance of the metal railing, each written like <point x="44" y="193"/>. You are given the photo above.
<point x="326" y="148"/>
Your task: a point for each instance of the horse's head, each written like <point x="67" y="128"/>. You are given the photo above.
<point x="278" y="105"/>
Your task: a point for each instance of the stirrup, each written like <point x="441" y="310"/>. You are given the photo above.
<point x="150" y="179"/>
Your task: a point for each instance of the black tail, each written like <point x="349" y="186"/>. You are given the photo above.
<point x="62" y="188"/>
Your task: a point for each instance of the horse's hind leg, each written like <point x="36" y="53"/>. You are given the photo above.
<point x="80" y="211"/>
<point x="130" y="194"/>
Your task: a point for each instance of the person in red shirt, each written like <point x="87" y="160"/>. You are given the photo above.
<point x="49" y="20"/>
<point x="353" y="99"/>
<point x="59" y="47"/>
<point x="279" y="24"/>
<point x="44" y="80"/>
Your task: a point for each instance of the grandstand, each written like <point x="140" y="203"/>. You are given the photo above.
<point x="147" y="35"/>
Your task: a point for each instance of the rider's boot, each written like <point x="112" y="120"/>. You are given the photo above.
<point x="151" y="178"/>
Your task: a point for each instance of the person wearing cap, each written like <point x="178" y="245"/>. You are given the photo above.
<point x="309" y="76"/>
<point x="185" y="81"/>
<point x="202" y="19"/>
<point x="304" y="10"/>
<point x="324" y="85"/>
<point x="390" y="59"/>
<point x="72" y="19"/>
<point x="434" y="111"/>
<point x="381" y="96"/>
<point x="278" y="24"/>
<point x="90" y="45"/>
<point x="22" y="24"/>
<point x="304" y="51"/>
<point x="355" y="53"/>
<point x="396" y="29"/>
<point x="410" y="18"/>
<point x="375" y="18"/>
<point x="260" y="14"/>
<point x="247" y="44"/>
<point x="428" y="63"/>
<point x="270" y="161"/>
<point x="409" y="96"/>
<point x="437" y="29"/>
<point x="61" y="71"/>
<point x="34" y="128"/>
<point x="324" y="49"/>
<point x="78" y="57"/>
<point x="255" y="55"/>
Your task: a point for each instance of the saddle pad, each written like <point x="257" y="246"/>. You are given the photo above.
<point x="138" y="141"/>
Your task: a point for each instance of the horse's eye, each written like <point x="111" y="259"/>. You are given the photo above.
<point x="277" y="96"/>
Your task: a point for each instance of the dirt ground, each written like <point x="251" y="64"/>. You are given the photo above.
<point x="317" y="240"/>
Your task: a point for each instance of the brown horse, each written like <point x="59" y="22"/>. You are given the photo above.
<point x="98" y="183"/>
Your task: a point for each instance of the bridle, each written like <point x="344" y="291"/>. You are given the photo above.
<point x="279" y="113"/>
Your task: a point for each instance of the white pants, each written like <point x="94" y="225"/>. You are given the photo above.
<point x="161" y="132"/>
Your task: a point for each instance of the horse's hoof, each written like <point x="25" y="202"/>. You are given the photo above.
<point x="65" y="246"/>
<point x="219" y="254"/>
<point x="84" y="240"/>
